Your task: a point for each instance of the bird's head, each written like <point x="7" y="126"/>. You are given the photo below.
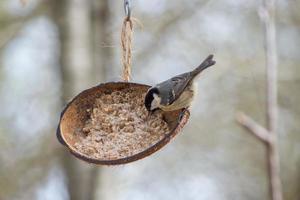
<point x="152" y="99"/>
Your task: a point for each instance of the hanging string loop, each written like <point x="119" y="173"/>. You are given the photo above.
<point x="126" y="41"/>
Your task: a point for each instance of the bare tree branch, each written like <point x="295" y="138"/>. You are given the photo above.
<point x="258" y="131"/>
<point x="272" y="108"/>
<point x="269" y="136"/>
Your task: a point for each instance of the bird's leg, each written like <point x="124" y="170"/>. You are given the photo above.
<point x="182" y="113"/>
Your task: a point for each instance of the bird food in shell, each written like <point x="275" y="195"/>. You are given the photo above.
<point x="119" y="126"/>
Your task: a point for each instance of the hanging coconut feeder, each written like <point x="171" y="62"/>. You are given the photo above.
<point x="108" y="124"/>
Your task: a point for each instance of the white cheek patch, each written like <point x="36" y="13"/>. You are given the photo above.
<point x="156" y="102"/>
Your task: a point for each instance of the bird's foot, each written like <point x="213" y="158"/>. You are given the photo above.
<point x="183" y="110"/>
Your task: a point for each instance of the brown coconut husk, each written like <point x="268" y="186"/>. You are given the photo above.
<point x="108" y="124"/>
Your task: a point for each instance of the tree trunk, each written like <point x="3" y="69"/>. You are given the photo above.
<point x="82" y="66"/>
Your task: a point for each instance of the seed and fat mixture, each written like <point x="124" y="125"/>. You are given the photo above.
<point x="119" y="126"/>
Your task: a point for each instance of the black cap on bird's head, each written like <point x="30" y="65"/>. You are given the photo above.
<point x="150" y="97"/>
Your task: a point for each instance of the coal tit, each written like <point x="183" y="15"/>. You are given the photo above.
<point x="177" y="92"/>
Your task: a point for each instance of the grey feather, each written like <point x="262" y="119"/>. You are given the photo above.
<point x="171" y="89"/>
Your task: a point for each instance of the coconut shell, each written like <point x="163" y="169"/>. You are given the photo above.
<point x="75" y="115"/>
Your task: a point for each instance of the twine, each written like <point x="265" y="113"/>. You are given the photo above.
<point x="126" y="43"/>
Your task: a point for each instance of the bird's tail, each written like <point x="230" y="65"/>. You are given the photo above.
<point x="205" y="64"/>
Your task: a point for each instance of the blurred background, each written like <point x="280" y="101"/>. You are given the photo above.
<point x="50" y="50"/>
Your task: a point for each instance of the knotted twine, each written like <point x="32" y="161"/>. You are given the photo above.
<point x="126" y="43"/>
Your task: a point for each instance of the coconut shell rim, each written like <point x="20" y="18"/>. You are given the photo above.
<point x="148" y="151"/>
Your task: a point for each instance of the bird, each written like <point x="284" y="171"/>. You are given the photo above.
<point x="177" y="92"/>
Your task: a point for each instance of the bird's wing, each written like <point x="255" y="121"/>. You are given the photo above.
<point x="173" y="88"/>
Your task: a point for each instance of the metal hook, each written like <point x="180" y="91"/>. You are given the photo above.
<point x="127" y="8"/>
